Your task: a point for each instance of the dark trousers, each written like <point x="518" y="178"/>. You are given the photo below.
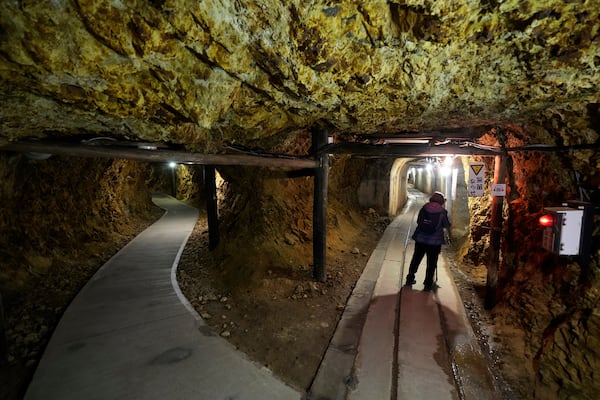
<point x="432" y="251"/>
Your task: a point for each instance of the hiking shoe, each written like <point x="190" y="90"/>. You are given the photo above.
<point x="410" y="282"/>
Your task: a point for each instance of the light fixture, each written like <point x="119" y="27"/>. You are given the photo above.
<point x="546" y="220"/>
<point x="405" y="141"/>
<point x="446" y="168"/>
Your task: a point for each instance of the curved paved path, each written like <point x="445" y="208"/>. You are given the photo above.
<point x="130" y="334"/>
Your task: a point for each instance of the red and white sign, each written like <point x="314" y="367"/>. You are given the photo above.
<point x="499" y="189"/>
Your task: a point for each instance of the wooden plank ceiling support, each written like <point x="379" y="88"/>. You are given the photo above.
<point x="181" y="157"/>
<point x="462" y="133"/>
<point x="321" y="182"/>
<point x="291" y="163"/>
<point x="406" y="150"/>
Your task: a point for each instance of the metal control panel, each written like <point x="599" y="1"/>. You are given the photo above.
<point x="563" y="236"/>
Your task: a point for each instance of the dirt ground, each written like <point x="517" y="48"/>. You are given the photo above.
<point x="286" y="320"/>
<point x="498" y="341"/>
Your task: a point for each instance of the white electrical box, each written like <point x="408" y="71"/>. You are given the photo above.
<point x="563" y="237"/>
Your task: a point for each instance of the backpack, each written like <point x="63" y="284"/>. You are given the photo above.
<point x="429" y="222"/>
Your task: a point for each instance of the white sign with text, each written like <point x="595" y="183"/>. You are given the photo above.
<point x="476" y="179"/>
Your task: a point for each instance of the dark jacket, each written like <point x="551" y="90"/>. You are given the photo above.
<point x="437" y="237"/>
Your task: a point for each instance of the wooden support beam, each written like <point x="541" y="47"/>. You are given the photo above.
<point x="162" y="154"/>
<point x="495" y="235"/>
<point x="210" y="193"/>
<point x="321" y="182"/>
<point x="291" y="163"/>
<point x="470" y="132"/>
<point x="173" y="169"/>
<point x="181" y="157"/>
<point x="405" y="150"/>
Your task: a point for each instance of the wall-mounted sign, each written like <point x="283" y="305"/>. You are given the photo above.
<point x="476" y="179"/>
<point x="499" y="189"/>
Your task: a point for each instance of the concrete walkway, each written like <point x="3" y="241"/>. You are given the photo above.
<point x="130" y="334"/>
<point x="396" y="342"/>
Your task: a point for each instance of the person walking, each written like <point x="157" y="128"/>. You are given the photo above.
<point x="429" y="237"/>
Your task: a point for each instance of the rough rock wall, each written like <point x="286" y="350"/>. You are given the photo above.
<point x="374" y="187"/>
<point x="553" y="302"/>
<point x="62" y="206"/>
<point x="201" y="73"/>
<point x="266" y="219"/>
<point x="189" y="185"/>
<point x="60" y="220"/>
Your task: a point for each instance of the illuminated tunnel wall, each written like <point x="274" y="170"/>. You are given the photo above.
<point x="384" y="186"/>
<point x="436" y="174"/>
<point x="449" y="178"/>
<point x="398" y="186"/>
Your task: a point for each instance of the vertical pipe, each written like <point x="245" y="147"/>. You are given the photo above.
<point x="210" y="192"/>
<point x="495" y="235"/>
<point x="319" y="139"/>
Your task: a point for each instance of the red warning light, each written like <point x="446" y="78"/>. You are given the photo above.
<point x="546" y="220"/>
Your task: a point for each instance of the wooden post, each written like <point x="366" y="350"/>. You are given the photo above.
<point x="3" y="341"/>
<point x="319" y="139"/>
<point x="495" y="235"/>
<point x="173" y="179"/>
<point x="210" y="192"/>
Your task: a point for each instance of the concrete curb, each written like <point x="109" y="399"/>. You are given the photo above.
<point x="336" y="372"/>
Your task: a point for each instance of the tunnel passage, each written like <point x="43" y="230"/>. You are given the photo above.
<point x="379" y="174"/>
<point x="357" y="66"/>
<point x="385" y="182"/>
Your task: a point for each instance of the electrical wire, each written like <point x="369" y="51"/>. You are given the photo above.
<point x="246" y="150"/>
<point x="533" y="147"/>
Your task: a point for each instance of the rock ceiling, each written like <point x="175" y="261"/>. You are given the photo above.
<point x="201" y="73"/>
